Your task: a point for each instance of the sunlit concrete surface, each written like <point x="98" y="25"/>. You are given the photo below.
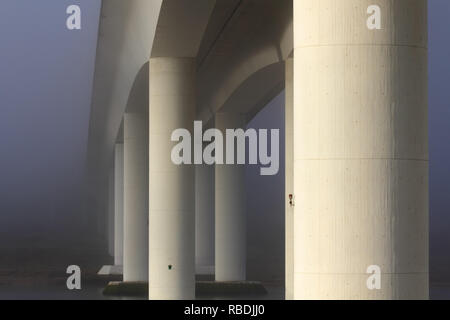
<point x="360" y="147"/>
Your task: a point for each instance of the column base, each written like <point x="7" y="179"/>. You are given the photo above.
<point x="202" y="288"/>
<point x="129" y="289"/>
<point x="111" y="271"/>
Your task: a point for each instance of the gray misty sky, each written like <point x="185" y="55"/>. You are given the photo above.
<point x="46" y="74"/>
<point x="439" y="120"/>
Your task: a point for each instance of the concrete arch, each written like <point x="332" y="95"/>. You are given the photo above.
<point x="255" y="92"/>
<point x="180" y="28"/>
<point x="138" y="98"/>
<point x="234" y="57"/>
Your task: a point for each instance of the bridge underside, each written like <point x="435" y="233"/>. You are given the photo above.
<point x="356" y="161"/>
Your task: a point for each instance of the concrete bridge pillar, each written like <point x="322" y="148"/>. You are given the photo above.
<point x="135" y="265"/>
<point x="111" y="213"/>
<point x="204" y="219"/>
<point x="116" y="213"/>
<point x="360" y="174"/>
<point x="230" y="207"/>
<point x="172" y="187"/>
<point x="118" y="205"/>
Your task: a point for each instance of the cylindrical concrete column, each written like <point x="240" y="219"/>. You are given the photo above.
<point x="118" y="205"/>
<point x="360" y="149"/>
<point x="135" y="264"/>
<point x="204" y="219"/>
<point x="172" y="187"/>
<point x="111" y="211"/>
<point x="231" y="216"/>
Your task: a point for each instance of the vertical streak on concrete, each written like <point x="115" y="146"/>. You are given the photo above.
<point x="172" y="187"/>
<point x="360" y="149"/>
<point x="231" y="215"/>
<point x="289" y="183"/>
<point x="118" y="205"/>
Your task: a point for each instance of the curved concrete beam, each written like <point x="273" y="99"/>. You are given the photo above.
<point x="235" y="55"/>
<point x="180" y="28"/>
<point x="132" y="31"/>
<point x="138" y="99"/>
<point x="256" y="91"/>
<point x="126" y="34"/>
